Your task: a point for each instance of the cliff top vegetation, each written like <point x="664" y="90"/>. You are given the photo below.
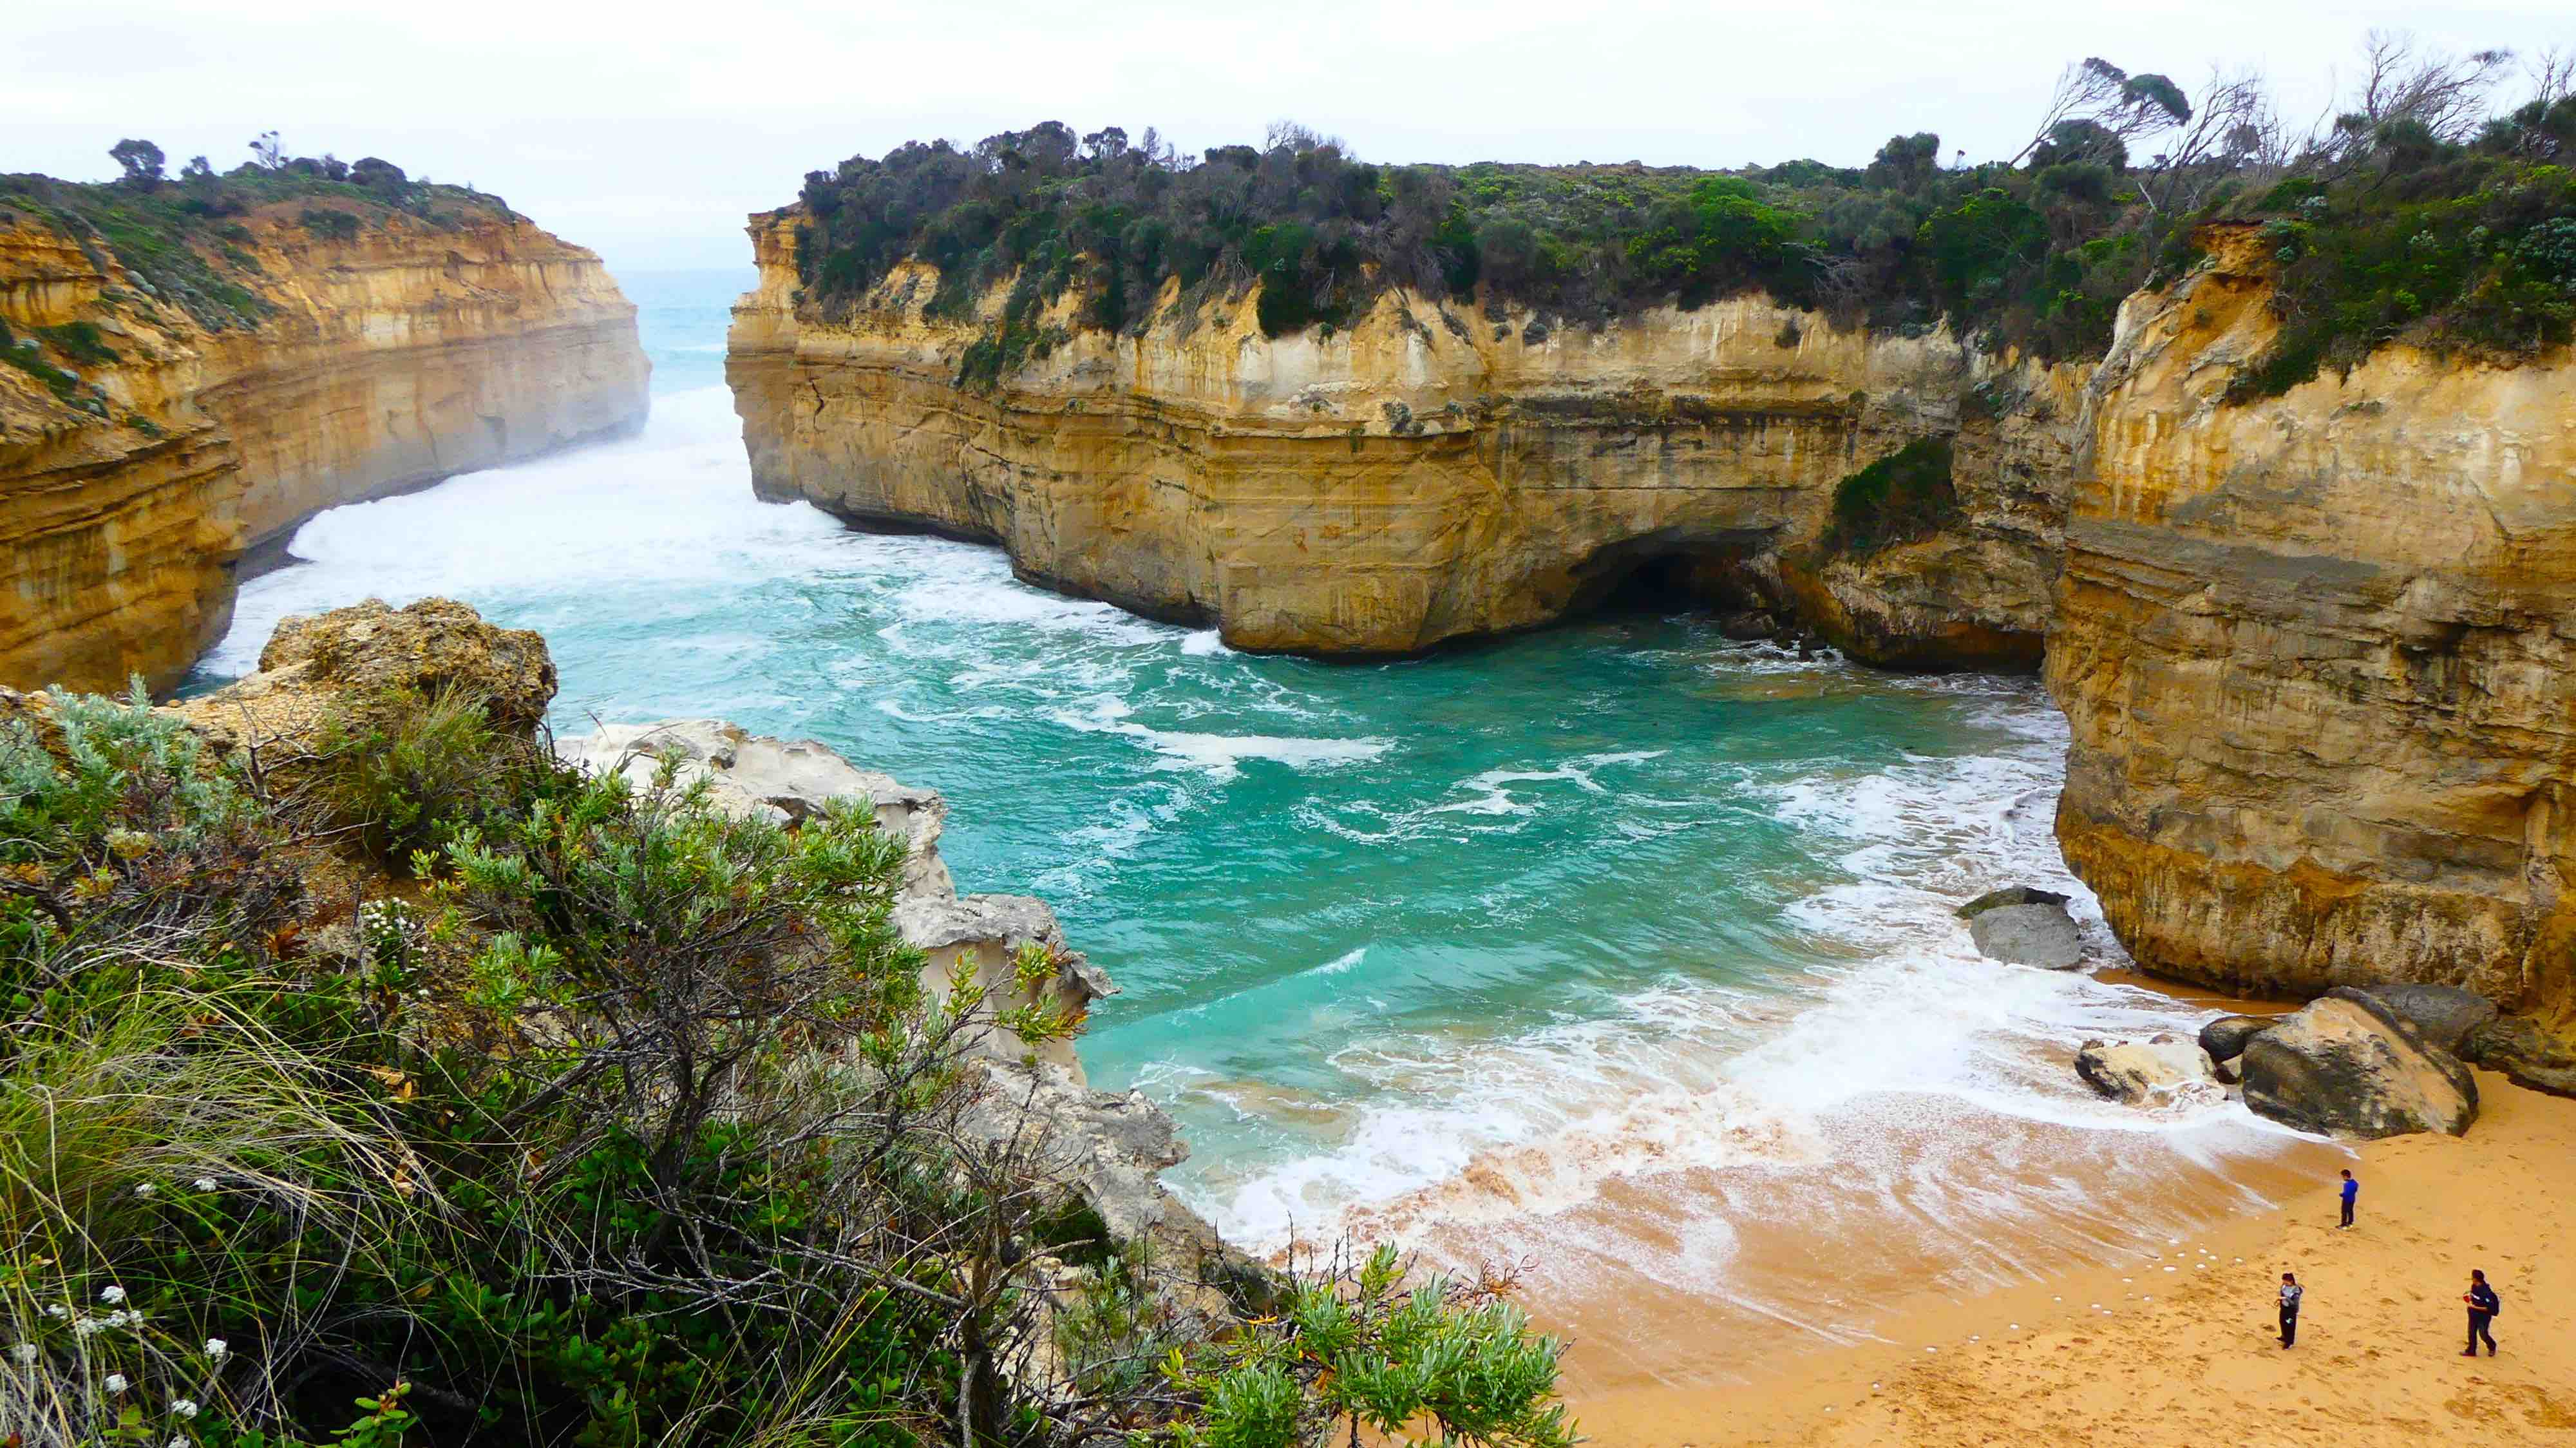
<point x="183" y="236"/>
<point x="2418" y="211"/>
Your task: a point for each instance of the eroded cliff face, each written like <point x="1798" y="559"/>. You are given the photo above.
<point x="1429" y="473"/>
<point x="387" y="360"/>
<point x="2319" y="657"/>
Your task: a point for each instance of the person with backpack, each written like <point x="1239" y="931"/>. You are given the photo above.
<point x="2483" y="1307"/>
<point x="2291" y="1292"/>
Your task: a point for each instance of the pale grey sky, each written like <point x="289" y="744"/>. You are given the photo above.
<point x="647" y="130"/>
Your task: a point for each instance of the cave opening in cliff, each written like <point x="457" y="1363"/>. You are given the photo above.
<point x="1663" y="578"/>
<point x="1666" y="584"/>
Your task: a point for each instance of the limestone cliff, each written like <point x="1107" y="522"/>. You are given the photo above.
<point x="143" y="449"/>
<point x="1430" y="472"/>
<point x="2319" y="656"/>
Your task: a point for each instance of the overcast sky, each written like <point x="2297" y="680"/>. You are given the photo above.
<point x="647" y="130"/>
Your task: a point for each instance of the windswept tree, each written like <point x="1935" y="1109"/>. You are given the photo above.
<point x="142" y="162"/>
<point x="2098" y="94"/>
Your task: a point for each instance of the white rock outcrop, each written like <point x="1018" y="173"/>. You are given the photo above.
<point x="2163" y="1070"/>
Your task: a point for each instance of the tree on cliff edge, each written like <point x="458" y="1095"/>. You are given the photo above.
<point x="142" y="162"/>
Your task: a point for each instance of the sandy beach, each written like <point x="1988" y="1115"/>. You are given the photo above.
<point x="2178" y="1346"/>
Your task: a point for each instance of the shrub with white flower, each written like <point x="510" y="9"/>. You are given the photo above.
<point x="116" y="1383"/>
<point x="392" y="929"/>
<point x="217" y="1349"/>
<point x="111" y="1295"/>
<point x="25" y="1353"/>
<point x="183" y="1408"/>
<point x="205" y="1184"/>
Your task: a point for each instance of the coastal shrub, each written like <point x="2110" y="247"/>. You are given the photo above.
<point x="636" y="1125"/>
<point x="2033" y="253"/>
<point x="699" y="949"/>
<point x="23" y="355"/>
<point x="80" y="342"/>
<point x="141" y="161"/>
<point x="330" y="223"/>
<point x="1369" y="1349"/>
<point x="403" y="772"/>
<point x="2481" y="258"/>
<point x="1900" y="498"/>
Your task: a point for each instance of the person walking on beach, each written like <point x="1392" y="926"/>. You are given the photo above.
<point x="2351" y="1189"/>
<point x="2483" y="1306"/>
<point x="2290" y="1293"/>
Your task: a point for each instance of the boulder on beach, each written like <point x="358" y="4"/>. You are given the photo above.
<point x="2226" y="1038"/>
<point x="2346" y="1065"/>
<point x="2023" y="926"/>
<point x="2161" y="1069"/>
<point x="2527" y="1055"/>
<point x="2445" y="1014"/>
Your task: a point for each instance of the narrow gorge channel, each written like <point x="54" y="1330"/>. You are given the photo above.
<point x="1505" y="951"/>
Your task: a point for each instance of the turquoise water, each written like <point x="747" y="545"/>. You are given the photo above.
<point x="1614" y="899"/>
<point x="682" y="317"/>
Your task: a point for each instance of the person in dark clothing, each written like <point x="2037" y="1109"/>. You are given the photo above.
<point x="2351" y="1189"/>
<point x="2290" y="1294"/>
<point x="2483" y="1307"/>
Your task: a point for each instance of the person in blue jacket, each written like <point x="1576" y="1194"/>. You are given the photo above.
<point x="2483" y="1307"/>
<point x="2351" y="1189"/>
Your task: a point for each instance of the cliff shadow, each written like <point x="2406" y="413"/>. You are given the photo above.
<point x="1731" y="576"/>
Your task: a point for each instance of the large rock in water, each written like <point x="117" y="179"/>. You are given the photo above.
<point x="2345" y="1065"/>
<point x="2226" y="1038"/>
<point x="2022" y="926"/>
<point x="410" y="350"/>
<point x="2164" y="1069"/>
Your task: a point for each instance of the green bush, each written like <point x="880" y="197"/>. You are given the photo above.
<point x="1900" y="498"/>
<point x="2479" y="255"/>
<point x="403" y="773"/>
<point x="81" y="342"/>
<point x="1362" y="1352"/>
<point x="329" y="223"/>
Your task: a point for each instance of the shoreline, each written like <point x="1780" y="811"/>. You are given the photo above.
<point x="2377" y="1359"/>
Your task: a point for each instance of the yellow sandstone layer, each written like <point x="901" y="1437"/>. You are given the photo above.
<point x="2319" y="657"/>
<point x="402" y="355"/>
<point x="1430" y="472"/>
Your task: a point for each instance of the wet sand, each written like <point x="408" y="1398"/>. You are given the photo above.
<point x="2174" y="1348"/>
<point x="1793" y="1267"/>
